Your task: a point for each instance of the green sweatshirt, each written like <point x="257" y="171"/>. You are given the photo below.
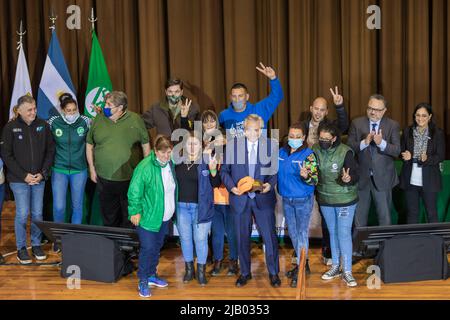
<point x="146" y="193"/>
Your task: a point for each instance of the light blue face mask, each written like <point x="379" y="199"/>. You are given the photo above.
<point x="71" y="118"/>
<point x="238" y="105"/>
<point x="295" y="143"/>
<point x="162" y="164"/>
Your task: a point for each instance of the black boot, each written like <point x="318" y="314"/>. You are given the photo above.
<point x="232" y="268"/>
<point x="189" y="269"/>
<point x="294" y="279"/>
<point x="201" y="274"/>
<point x="217" y="268"/>
<point x="293" y="271"/>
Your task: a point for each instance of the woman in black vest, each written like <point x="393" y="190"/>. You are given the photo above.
<point x="423" y="148"/>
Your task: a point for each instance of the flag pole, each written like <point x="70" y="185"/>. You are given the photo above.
<point x="53" y="19"/>
<point x="20" y="33"/>
<point x="92" y="19"/>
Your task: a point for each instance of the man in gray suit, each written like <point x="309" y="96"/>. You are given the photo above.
<point x="376" y="142"/>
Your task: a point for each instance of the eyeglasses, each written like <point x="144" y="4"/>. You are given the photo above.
<point x="370" y="109"/>
<point x="325" y="140"/>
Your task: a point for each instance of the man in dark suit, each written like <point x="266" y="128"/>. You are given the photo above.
<point x="254" y="156"/>
<point x="376" y="142"/>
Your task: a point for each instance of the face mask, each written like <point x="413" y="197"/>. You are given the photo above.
<point x="325" y="145"/>
<point x="71" y="118"/>
<point x="239" y="105"/>
<point x="173" y="100"/>
<point x="295" y="143"/>
<point x="161" y="164"/>
<point x="107" y="112"/>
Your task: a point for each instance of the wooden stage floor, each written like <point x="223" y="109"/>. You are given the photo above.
<point x="45" y="283"/>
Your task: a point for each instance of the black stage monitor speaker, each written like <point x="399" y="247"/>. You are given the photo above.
<point x="95" y="257"/>
<point x="407" y="258"/>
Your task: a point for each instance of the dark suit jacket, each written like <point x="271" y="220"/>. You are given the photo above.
<point x="233" y="171"/>
<point x="158" y="116"/>
<point x="382" y="162"/>
<point x="432" y="181"/>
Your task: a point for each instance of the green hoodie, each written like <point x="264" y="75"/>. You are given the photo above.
<point x="146" y="193"/>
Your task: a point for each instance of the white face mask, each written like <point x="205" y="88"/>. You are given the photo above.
<point x="71" y="118"/>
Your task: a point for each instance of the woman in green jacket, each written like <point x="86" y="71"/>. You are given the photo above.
<point x="151" y="204"/>
<point x="69" y="131"/>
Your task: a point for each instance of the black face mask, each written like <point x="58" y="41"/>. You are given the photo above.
<point x="325" y="145"/>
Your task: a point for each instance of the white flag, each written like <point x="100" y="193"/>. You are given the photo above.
<point x="22" y="83"/>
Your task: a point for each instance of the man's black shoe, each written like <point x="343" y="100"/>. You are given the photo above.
<point x="275" y="280"/>
<point x="242" y="280"/>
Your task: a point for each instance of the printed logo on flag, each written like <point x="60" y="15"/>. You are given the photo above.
<point x="96" y="97"/>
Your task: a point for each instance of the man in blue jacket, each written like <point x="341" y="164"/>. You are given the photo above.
<point x="254" y="156"/>
<point x="232" y="118"/>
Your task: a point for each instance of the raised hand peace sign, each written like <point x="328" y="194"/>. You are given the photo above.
<point x="184" y="108"/>
<point x="303" y="170"/>
<point x="267" y="71"/>
<point x="346" y="175"/>
<point x="337" y="98"/>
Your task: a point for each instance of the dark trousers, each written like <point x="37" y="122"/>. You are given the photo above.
<point x="114" y="202"/>
<point x="265" y="220"/>
<point x="150" y="246"/>
<point x="383" y="203"/>
<point x="413" y="194"/>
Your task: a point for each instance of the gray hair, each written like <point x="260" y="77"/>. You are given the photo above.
<point x="380" y="98"/>
<point x="254" y="118"/>
<point x="118" y="98"/>
<point x="25" y="99"/>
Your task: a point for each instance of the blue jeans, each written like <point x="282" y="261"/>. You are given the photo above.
<point x="223" y="222"/>
<point x="339" y="221"/>
<point x="192" y="233"/>
<point x="60" y="182"/>
<point x="297" y="212"/>
<point x="150" y="246"/>
<point x="28" y="199"/>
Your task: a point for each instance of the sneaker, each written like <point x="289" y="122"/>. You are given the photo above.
<point x="144" y="290"/>
<point x="38" y="253"/>
<point x="157" y="282"/>
<point x="349" y="280"/>
<point x="334" y="272"/>
<point x="56" y="248"/>
<point x="23" y="256"/>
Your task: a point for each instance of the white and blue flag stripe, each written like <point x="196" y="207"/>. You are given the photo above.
<point x="55" y="81"/>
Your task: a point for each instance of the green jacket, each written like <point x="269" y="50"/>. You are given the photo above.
<point x="70" y="142"/>
<point x="330" y="190"/>
<point x="146" y="193"/>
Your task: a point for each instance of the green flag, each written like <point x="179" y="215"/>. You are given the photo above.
<point x="99" y="83"/>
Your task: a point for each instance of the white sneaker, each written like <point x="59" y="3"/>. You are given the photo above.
<point x="349" y="280"/>
<point x="334" y="272"/>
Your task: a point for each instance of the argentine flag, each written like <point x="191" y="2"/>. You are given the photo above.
<point x="22" y="83"/>
<point x="54" y="82"/>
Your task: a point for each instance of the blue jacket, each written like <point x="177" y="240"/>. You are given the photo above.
<point x="205" y="194"/>
<point x="232" y="171"/>
<point x="234" y="121"/>
<point x="290" y="183"/>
